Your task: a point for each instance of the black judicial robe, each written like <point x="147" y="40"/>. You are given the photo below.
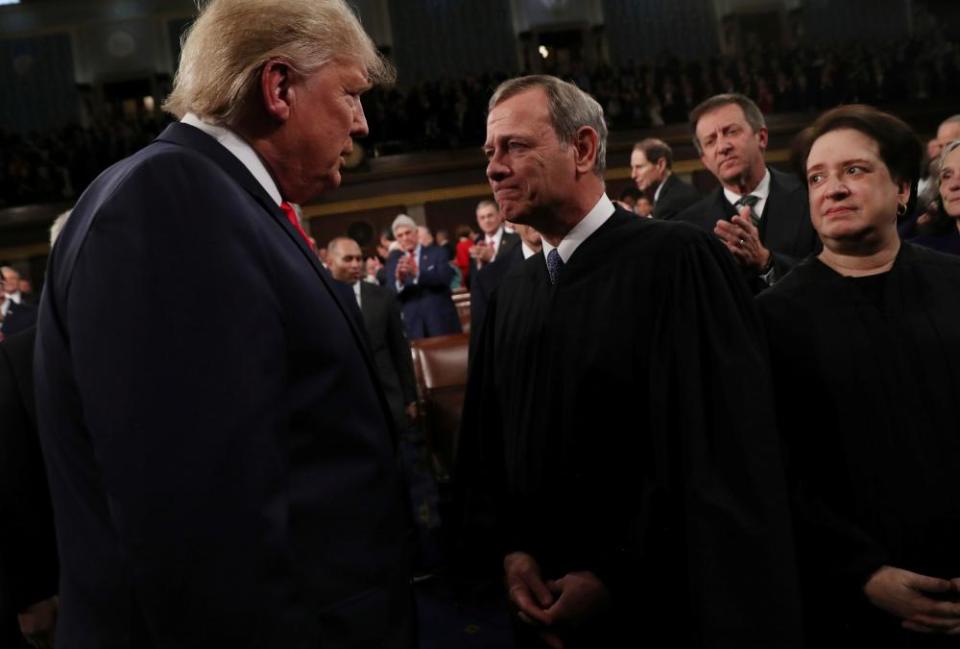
<point x="867" y="379"/>
<point x="621" y="422"/>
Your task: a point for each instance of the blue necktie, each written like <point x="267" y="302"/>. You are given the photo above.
<point x="554" y="265"/>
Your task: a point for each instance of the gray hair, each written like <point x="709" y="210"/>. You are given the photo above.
<point x="402" y="220"/>
<point x="570" y="108"/>
<point x="950" y="120"/>
<point x="750" y="111"/>
<point x="228" y="44"/>
<point x="948" y="148"/>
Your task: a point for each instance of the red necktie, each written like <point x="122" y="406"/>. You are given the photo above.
<point x="294" y="221"/>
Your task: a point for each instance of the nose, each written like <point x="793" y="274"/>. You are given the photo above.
<point x="496" y="169"/>
<point x="359" y="128"/>
<point x="835" y="188"/>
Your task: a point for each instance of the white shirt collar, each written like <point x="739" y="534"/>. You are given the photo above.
<point x="596" y="217"/>
<point x="356" y="291"/>
<point x="239" y="148"/>
<point x="656" y="194"/>
<point x="527" y="251"/>
<point x="762" y="191"/>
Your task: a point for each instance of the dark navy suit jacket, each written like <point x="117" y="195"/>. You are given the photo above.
<point x="221" y="456"/>
<point x="426" y="304"/>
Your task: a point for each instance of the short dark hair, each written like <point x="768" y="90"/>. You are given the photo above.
<point x="630" y="192"/>
<point x="900" y="148"/>
<point x="750" y="111"/>
<point x="655" y="149"/>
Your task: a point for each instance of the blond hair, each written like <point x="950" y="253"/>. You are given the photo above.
<point x="228" y="44"/>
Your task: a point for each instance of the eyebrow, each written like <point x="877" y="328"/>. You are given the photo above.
<point x="843" y="163"/>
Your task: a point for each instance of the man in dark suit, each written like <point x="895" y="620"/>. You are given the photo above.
<point x="28" y="553"/>
<point x="651" y="167"/>
<point x="381" y="317"/>
<point x="222" y="459"/>
<point x="603" y="461"/>
<point x="760" y="214"/>
<point x="420" y="276"/>
<point x="493" y="239"/>
<point x="391" y="352"/>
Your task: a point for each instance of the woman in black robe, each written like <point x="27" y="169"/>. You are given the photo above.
<point x="865" y="349"/>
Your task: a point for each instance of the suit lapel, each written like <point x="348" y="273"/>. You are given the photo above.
<point x="193" y="138"/>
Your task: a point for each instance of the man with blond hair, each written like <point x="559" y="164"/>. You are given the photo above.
<point x="221" y="455"/>
<point x="604" y="463"/>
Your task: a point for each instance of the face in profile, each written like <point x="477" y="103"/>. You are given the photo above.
<point x="325" y="115"/>
<point x="852" y="195"/>
<point x="644" y="173"/>
<point x="527" y="165"/>
<point x="731" y="150"/>
<point x="950" y="184"/>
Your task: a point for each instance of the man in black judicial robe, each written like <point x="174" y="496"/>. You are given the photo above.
<point x="618" y="453"/>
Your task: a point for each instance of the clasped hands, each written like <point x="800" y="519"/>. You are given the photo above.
<point x="552" y="604"/>
<point x="924" y="604"/>
<point x="742" y="239"/>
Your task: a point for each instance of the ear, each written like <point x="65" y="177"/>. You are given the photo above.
<point x="903" y="192"/>
<point x="762" y="138"/>
<point x="585" y="143"/>
<point x="276" y="89"/>
<point x="661" y="165"/>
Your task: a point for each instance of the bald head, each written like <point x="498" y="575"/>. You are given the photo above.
<point x="345" y="260"/>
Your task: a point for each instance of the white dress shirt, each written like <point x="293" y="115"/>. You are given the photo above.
<point x="596" y="217"/>
<point x="239" y="148"/>
<point x="762" y="192"/>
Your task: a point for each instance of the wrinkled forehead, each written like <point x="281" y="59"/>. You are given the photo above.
<point x="403" y="231"/>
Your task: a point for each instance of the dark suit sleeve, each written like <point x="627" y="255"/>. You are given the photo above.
<point x="400" y="351"/>
<point x="28" y="555"/>
<point x="436" y="270"/>
<point x="183" y="387"/>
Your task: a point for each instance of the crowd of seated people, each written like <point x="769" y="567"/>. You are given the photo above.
<point x="451" y="113"/>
